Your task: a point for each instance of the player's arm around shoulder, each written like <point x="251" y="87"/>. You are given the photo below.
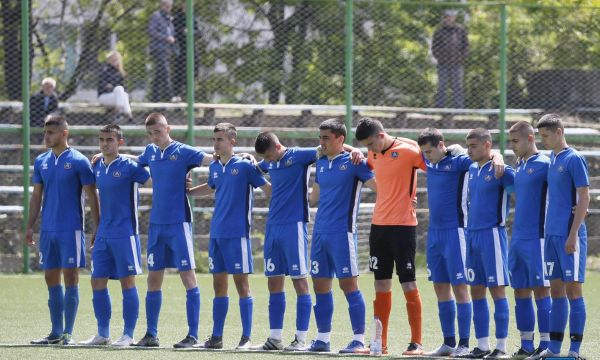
<point x="201" y="190"/>
<point x="508" y="178"/>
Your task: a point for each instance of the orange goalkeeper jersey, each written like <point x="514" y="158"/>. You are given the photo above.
<point x="396" y="176"/>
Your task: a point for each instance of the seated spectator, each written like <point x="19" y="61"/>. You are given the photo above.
<point x="43" y="103"/>
<point x="111" y="90"/>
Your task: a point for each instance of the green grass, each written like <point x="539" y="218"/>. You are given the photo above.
<point x="24" y="315"/>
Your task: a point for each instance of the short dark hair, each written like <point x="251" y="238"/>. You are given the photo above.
<point x="551" y="122"/>
<point x="431" y="136"/>
<point x="112" y="129"/>
<point x="227" y="128"/>
<point x="521" y="127"/>
<point x="155" y="118"/>
<point x="265" y="141"/>
<point x="56" y="120"/>
<point x="368" y="127"/>
<point x="480" y="134"/>
<point x="335" y="126"/>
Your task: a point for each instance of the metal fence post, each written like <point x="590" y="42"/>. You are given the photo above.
<point x="349" y="62"/>
<point x="189" y="44"/>
<point x="503" y="44"/>
<point x="25" y="130"/>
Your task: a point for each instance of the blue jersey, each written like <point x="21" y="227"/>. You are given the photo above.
<point x="63" y="178"/>
<point x="234" y="183"/>
<point x="169" y="168"/>
<point x="117" y="185"/>
<point x="531" y="187"/>
<point x="568" y="171"/>
<point x="340" y="183"/>
<point x="289" y="179"/>
<point x="488" y="196"/>
<point x="447" y="187"/>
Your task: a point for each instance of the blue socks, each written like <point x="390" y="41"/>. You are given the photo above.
<point x="246" y="306"/>
<point x="153" y="303"/>
<point x="356" y="310"/>
<point x="481" y="318"/>
<point x="303" y="310"/>
<point x="56" y="305"/>
<point x="464" y="312"/>
<point x="447" y="314"/>
<point x="324" y="311"/>
<point x="192" y="305"/>
<point x="276" y="310"/>
<point x="501" y="316"/>
<point x="576" y="323"/>
<point x="220" y="308"/>
<point x="102" y="310"/>
<point x="131" y="309"/>
<point x="525" y="317"/>
<point x="558" y="323"/>
<point x="543" y="318"/>
<point x="71" y="305"/>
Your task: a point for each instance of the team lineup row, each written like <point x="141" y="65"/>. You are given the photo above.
<point x="467" y="247"/>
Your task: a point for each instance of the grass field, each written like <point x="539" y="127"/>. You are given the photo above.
<point x="24" y="315"/>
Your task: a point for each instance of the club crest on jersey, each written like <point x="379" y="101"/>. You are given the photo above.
<point x="394" y="154"/>
<point x="447" y="167"/>
<point x="67" y="166"/>
<point x="488" y="178"/>
<point x="173" y="157"/>
<point x="288" y="162"/>
<point x="343" y="167"/>
<point x="235" y="171"/>
<point x="530" y="171"/>
<point x="117" y="173"/>
<point x="561" y="168"/>
<point x="153" y="157"/>
<point x="45" y="166"/>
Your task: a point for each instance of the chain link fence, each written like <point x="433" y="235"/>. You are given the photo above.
<point x="283" y="65"/>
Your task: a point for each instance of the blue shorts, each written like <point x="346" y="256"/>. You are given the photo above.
<point x="285" y="250"/>
<point x="559" y="264"/>
<point x="116" y="258"/>
<point x="333" y="254"/>
<point x="231" y="255"/>
<point x="170" y="246"/>
<point x="62" y="249"/>
<point x="486" y="257"/>
<point x="446" y="253"/>
<point x="526" y="263"/>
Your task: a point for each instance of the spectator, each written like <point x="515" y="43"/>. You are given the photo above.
<point x="180" y="73"/>
<point x="450" y="48"/>
<point x="111" y="89"/>
<point x="43" y="103"/>
<point x="162" y="48"/>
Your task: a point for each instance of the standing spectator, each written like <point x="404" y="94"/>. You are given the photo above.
<point x="111" y="90"/>
<point x="43" y="103"/>
<point x="180" y="72"/>
<point x="450" y="48"/>
<point x="162" y="48"/>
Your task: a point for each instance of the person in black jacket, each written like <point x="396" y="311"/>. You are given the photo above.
<point x="450" y="47"/>
<point x="111" y="89"/>
<point x="162" y="48"/>
<point x="43" y="103"/>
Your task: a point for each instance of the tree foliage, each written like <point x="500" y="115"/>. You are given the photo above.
<point x="292" y="51"/>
